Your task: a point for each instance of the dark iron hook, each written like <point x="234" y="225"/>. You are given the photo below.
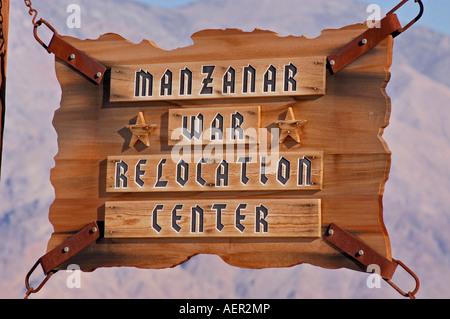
<point x="396" y="33"/>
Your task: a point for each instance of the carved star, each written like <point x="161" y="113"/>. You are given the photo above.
<point x="141" y="131"/>
<point x="290" y="126"/>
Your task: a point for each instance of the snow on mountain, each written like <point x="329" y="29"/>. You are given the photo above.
<point x="416" y="195"/>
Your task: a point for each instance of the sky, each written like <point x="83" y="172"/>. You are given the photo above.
<point x="435" y="15"/>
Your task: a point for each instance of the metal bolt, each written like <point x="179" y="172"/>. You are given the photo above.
<point x="332" y="62"/>
<point x="360" y="252"/>
<point x="99" y="74"/>
<point x="330" y="232"/>
<point x="94" y="230"/>
<point x="364" y="41"/>
<point x="65" y="249"/>
<point x="72" y="56"/>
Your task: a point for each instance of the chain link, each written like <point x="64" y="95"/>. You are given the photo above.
<point x="2" y="37"/>
<point x="32" y="12"/>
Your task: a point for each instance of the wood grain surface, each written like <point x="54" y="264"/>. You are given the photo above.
<point x="345" y="125"/>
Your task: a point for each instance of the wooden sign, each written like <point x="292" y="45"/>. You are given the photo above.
<point x="214" y="218"/>
<point x="290" y="76"/>
<point x="238" y="125"/>
<point x="240" y="145"/>
<point x="155" y="173"/>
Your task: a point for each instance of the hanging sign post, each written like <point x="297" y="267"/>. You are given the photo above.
<point x="264" y="150"/>
<point x="4" y="22"/>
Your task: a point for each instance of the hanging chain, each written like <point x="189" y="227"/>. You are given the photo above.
<point x="2" y="37"/>
<point x="32" y="12"/>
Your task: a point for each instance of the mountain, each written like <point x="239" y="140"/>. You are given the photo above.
<point x="416" y="195"/>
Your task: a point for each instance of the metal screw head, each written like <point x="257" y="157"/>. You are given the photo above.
<point x="65" y="249"/>
<point x="98" y="74"/>
<point x="330" y="232"/>
<point x="332" y="62"/>
<point x="364" y="41"/>
<point x="360" y="252"/>
<point x="72" y="56"/>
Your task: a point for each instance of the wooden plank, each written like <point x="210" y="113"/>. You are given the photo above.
<point x="227" y="125"/>
<point x="206" y="172"/>
<point x="213" y="218"/>
<point x="292" y="76"/>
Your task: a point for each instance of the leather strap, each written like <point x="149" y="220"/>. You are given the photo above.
<point x="68" y="53"/>
<point x="70" y="247"/>
<point x="76" y="58"/>
<point x="359" y="251"/>
<point x="62" y="253"/>
<point x="363" y="43"/>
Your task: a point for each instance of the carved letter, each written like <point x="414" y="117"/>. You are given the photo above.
<point x="270" y="79"/>
<point x="229" y="80"/>
<point x="219" y="208"/>
<point x="193" y="133"/>
<point x="182" y="172"/>
<point x="249" y="71"/>
<point x="144" y="81"/>
<point x="166" y="83"/>
<point x="176" y="218"/>
<point x="197" y="210"/>
<point x="304" y="178"/>
<point x="261" y="221"/>
<point x="121" y="170"/>
<point x="159" y="182"/>
<point x="283" y="171"/>
<point x="186" y="73"/>
<point x="263" y="178"/>
<point x="240" y="217"/>
<point x="207" y="69"/>
<point x="139" y="172"/>
<point x="290" y="71"/>
<point x="222" y="174"/>
<point x="244" y="161"/>
<point x="237" y="119"/>
<point x="155" y="225"/>
<point x="217" y="128"/>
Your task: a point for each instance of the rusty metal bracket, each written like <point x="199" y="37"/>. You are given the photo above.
<point x="77" y="59"/>
<point x="363" y="43"/>
<point x="389" y="25"/>
<point x="406" y="27"/>
<point x="62" y="253"/>
<point x="365" y="256"/>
